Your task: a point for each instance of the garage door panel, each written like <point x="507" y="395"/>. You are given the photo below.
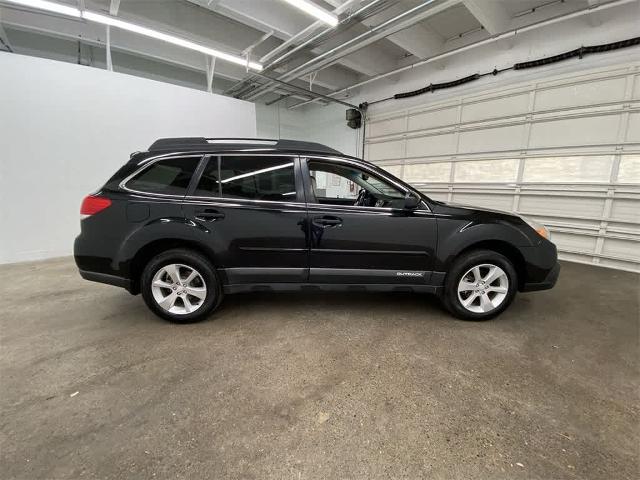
<point x="583" y="93"/>
<point x="428" y="172"/>
<point x="636" y="87"/>
<point x="570" y="241"/>
<point x="629" y="171"/>
<point x="488" y="171"/>
<point x="578" y="224"/>
<point x="492" y="139"/>
<point x="620" y="264"/>
<point x="440" y="196"/>
<point x="621" y="248"/>
<point x="433" y="119"/>
<point x="574" y="131"/>
<point x="626" y="210"/>
<point x="570" y="206"/>
<point x="430" y="145"/>
<point x="386" y="127"/>
<point x="574" y="257"/>
<point x="386" y="150"/>
<point x="394" y="170"/>
<point x="633" y="131"/>
<point x="624" y="228"/>
<point x="571" y="169"/>
<point x="496" y="107"/>
<point x="498" y="202"/>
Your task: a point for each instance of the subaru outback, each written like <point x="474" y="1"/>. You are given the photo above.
<point x="193" y="219"/>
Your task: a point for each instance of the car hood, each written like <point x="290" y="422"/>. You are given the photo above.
<point x="476" y="209"/>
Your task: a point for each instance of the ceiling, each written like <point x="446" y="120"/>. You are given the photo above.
<point x="373" y="38"/>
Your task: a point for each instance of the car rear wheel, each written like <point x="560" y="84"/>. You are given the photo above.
<point x="480" y="285"/>
<point x="181" y="286"/>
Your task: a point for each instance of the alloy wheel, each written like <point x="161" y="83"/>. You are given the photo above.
<point x="483" y="288"/>
<point x="178" y="289"/>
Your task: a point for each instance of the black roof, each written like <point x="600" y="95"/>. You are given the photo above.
<point x="202" y="144"/>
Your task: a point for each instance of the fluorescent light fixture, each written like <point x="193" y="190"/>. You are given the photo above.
<point x="314" y="10"/>
<point x="48" y="6"/>
<point x="132" y="27"/>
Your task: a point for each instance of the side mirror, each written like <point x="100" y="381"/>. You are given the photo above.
<point x="411" y="202"/>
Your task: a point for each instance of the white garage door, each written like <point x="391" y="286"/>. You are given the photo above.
<point x="565" y="152"/>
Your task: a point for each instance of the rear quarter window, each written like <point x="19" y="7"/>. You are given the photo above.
<point x="167" y="177"/>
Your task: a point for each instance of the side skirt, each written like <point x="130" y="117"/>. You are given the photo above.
<point x="329" y="287"/>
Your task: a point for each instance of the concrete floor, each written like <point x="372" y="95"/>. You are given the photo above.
<point x="318" y="385"/>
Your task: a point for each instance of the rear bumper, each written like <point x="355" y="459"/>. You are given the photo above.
<point x="106" y="278"/>
<point x="95" y="264"/>
<point x="549" y="281"/>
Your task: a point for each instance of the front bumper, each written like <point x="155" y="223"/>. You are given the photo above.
<point x="549" y="281"/>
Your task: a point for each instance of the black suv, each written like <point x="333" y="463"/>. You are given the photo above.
<point x="193" y="218"/>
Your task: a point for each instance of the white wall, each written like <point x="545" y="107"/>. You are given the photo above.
<point x="326" y="125"/>
<point x="64" y="129"/>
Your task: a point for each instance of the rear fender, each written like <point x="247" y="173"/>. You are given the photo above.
<point x="174" y="232"/>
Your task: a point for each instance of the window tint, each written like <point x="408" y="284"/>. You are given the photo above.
<point x="169" y="177"/>
<point x="345" y="185"/>
<point x="255" y="178"/>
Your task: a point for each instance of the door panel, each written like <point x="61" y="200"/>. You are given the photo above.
<point x="354" y="243"/>
<point x="254" y="240"/>
<point x="370" y="245"/>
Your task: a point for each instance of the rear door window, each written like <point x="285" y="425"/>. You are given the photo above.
<point x="249" y="177"/>
<point x="167" y="177"/>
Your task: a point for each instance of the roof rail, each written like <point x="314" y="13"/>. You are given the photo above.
<point x="202" y="143"/>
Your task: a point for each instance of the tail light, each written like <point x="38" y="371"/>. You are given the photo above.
<point x="93" y="204"/>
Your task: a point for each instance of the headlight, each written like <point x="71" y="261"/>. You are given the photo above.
<point x="538" y="227"/>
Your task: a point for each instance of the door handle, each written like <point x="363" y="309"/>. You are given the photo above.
<point x="209" y="215"/>
<point x="327" y="221"/>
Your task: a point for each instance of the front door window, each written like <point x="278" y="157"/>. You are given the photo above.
<point x="336" y="184"/>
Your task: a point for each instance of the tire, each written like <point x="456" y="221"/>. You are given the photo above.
<point x="183" y="302"/>
<point x="491" y="298"/>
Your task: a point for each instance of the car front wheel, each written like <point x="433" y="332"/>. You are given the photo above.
<point x="480" y="285"/>
<point x="181" y="286"/>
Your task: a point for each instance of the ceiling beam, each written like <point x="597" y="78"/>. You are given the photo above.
<point x="383" y="30"/>
<point x="4" y="38"/>
<point x="113" y="7"/>
<point x="308" y="33"/>
<point x="418" y="40"/>
<point x="491" y="15"/>
<point x="368" y="61"/>
<point x="329" y="78"/>
<point x="284" y="24"/>
<point x="257" y="15"/>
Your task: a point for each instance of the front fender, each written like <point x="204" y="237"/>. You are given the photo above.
<point x="457" y="235"/>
